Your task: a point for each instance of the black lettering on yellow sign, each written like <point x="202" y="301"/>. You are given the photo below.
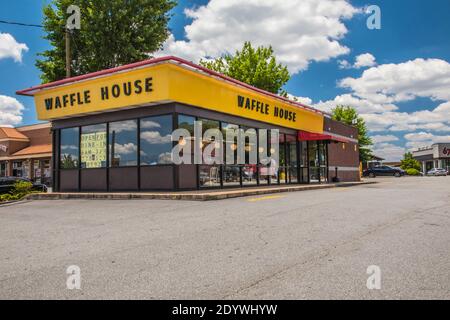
<point x="108" y="92"/>
<point x="264" y="108"/>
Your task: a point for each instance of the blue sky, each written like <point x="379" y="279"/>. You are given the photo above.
<point x="397" y="77"/>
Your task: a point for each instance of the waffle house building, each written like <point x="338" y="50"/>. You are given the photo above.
<point x="111" y="130"/>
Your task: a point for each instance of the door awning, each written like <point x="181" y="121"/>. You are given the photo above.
<point x="309" y="136"/>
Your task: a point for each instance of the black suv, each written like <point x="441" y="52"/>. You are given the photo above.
<point x="383" y="171"/>
<point x="7" y="184"/>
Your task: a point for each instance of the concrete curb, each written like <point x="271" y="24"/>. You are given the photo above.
<point x="194" y="196"/>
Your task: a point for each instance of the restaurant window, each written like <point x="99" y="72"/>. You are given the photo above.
<point x="323" y="161"/>
<point x="26" y="169"/>
<point x="265" y="171"/>
<point x="291" y="145"/>
<point x="69" y="149"/>
<point x="249" y="170"/>
<point x="187" y="123"/>
<point x="209" y="174"/>
<point x="304" y="161"/>
<point x="3" y="169"/>
<point x="282" y="168"/>
<point x="93" y="146"/>
<point x="123" y="146"/>
<point x="314" y="163"/>
<point x="37" y="171"/>
<point x="156" y="140"/>
<point x="17" y="169"/>
<point x="231" y="171"/>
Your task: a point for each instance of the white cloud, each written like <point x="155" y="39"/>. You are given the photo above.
<point x="123" y="126"/>
<point x="300" y="31"/>
<point x="424" y="139"/>
<point x="361" y="105"/>
<point x="147" y="124"/>
<point x="10" y="111"/>
<point x="361" y="61"/>
<point x="389" y="83"/>
<point x="154" y="137"/>
<point x="10" y="48"/>
<point x="389" y="151"/>
<point x="127" y="148"/>
<point x="304" y="100"/>
<point x="381" y="138"/>
<point x="364" y="60"/>
<point x="437" y="119"/>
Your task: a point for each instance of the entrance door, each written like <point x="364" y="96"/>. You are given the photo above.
<point x="292" y="158"/>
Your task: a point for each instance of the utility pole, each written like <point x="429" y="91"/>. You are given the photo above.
<point x="68" y="55"/>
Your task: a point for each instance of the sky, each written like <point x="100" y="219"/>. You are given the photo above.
<point x="397" y="76"/>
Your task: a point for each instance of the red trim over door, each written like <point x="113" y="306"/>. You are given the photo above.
<point x="309" y="136"/>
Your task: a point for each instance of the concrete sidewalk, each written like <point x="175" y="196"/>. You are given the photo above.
<point x="201" y="195"/>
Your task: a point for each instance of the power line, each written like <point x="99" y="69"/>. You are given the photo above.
<point x="21" y="24"/>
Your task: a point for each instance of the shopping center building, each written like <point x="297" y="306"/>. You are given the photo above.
<point x="435" y="156"/>
<point x="112" y="130"/>
<point x="26" y="152"/>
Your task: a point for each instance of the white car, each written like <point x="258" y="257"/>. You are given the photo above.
<point x="437" y="172"/>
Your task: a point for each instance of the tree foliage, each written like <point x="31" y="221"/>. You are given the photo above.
<point x="349" y="116"/>
<point x="409" y="162"/>
<point x="113" y="33"/>
<point x="257" y="67"/>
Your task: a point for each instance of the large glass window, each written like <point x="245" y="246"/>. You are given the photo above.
<point x="249" y="170"/>
<point x="93" y="146"/>
<point x="17" y="169"/>
<point x="231" y="172"/>
<point x="291" y="143"/>
<point x="209" y="174"/>
<point x="123" y="144"/>
<point x="156" y="141"/>
<point x="323" y="161"/>
<point x="2" y="169"/>
<point x="303" y="161"/>
<point x="282" y="169"/>
<point x="70" y="149"/>
<point x="314" y="167"/>
<point x="188" y="122"/>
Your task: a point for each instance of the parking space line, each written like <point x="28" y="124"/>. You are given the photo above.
<point x="265" y="198"/>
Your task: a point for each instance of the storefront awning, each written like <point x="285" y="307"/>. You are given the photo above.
<point x="309" y="136"/>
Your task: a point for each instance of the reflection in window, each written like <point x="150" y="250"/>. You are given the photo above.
<point x="187" y="123"/>
<point x="17" y="169"/>
<point x="209" y="174"/>
<point x="156" y="141"/>
<point x="70" y="149"/>
<point x="292" y="151"/>
<point x="249" y="170"/>
<point x="123" y="143"/>
<point x="93" y="146"/>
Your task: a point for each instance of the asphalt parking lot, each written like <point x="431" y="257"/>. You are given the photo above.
<point x="303" y="245"/>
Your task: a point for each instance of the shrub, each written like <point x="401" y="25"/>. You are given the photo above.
<point x="412" y="172"/>
<point x="20" y="190"/>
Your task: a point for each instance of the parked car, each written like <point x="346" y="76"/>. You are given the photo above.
<point x="384" y="171"/>
<point x="7" y="184"/>
<point x="437" y="172"/>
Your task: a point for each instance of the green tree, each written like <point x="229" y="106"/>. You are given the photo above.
<point x="409" y="162"/>
<point x="113" y="33"/>
<point x="257" y="67"/>
<point x="349" y="116"/>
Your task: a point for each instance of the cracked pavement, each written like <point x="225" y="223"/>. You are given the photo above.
<point x="301" y="245"/>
